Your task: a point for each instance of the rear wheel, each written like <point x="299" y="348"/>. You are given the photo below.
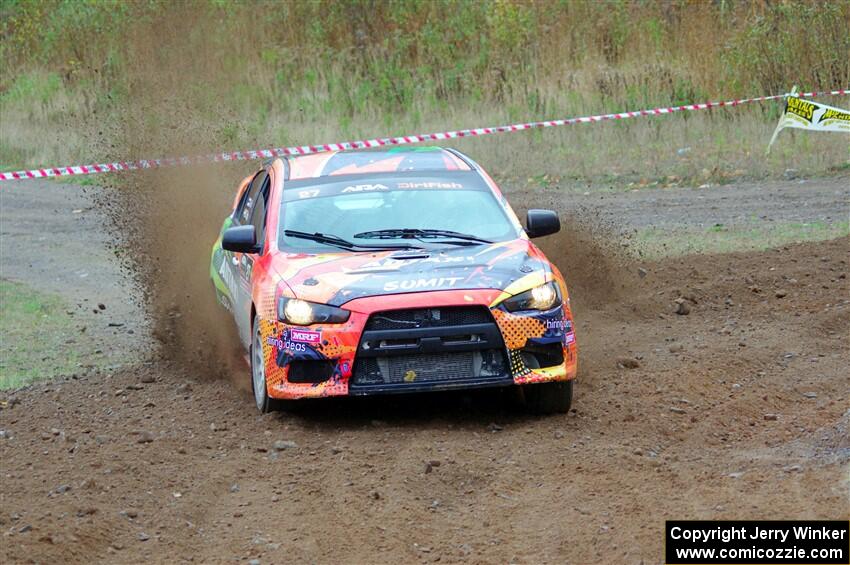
<point x="258" y="371"/>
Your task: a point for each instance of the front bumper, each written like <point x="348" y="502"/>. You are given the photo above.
<point x="416" y="342"/>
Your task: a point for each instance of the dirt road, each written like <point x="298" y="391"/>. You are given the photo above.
<point x="738" y="409"/>
<point x="800" y="200"/>
<point x="54" y="239"/>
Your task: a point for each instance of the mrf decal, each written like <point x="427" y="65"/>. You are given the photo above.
<point x="295" y="343"/>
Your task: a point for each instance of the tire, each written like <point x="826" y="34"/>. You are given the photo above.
<point x="548" y="398"/>
<point x="264" y="403"/>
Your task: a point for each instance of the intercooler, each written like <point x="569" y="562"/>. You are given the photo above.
<point x="429" y="348"/>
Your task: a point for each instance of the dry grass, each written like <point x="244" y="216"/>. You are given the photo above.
<point x="156" y="78"/>
<point x="655" y="244"/>
<point x="717" y="146"/>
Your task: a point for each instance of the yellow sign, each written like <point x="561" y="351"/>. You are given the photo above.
<point x="805" y="114"/>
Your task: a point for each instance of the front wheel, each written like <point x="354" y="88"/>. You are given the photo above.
<point x="548" y="398"/>
<point x="258" y="371"/>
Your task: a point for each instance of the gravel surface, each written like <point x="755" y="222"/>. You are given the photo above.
<point x="746" y="204"/>
<point x="53" y="239"/>
<point x="710" y="387"/>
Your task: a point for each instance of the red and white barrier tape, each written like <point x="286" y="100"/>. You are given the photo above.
<point x="378" y="142"/>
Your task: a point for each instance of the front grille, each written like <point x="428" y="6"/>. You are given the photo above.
<point x="429" y="318"/>
<point x="430" y="368"/>
<point x="428" y="348"/>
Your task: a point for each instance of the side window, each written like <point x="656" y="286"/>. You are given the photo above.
<point x="243" y="211"/>
<point x="258" y="214"/>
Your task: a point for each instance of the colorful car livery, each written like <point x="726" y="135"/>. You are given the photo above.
<point x="404" y="270"/>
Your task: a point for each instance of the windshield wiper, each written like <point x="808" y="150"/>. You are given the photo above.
<point x="412" y="233"/>
<point x="336" y="241"/>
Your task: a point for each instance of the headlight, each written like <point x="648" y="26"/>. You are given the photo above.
<point x="303" y="313"/>
<point x="543" y="297"/>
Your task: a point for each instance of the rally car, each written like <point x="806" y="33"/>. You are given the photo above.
<point x="394" y="271"/>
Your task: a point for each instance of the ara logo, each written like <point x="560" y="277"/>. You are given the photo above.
<point x="364" y="188"/>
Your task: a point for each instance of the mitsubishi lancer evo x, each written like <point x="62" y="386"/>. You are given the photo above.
<point x="395" y="271"/>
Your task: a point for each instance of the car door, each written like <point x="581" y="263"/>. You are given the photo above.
<point x="246" y="261"/>
<point x="238" y="265"/>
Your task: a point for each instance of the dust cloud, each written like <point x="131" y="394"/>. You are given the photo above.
<point x="169" y="218"/>
<point x="587" y="250"/>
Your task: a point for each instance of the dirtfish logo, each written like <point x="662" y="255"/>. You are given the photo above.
<point x="429" y="185"/>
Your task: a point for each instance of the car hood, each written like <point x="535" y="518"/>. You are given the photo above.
<point x="337" y="278"/>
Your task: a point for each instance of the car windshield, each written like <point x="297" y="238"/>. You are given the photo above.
<point x="354" y="211"/>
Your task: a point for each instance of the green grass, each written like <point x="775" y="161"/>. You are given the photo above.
<point x="82" y="180"/>
<point x="35" y="336"/>
<point x="656" y="243"/>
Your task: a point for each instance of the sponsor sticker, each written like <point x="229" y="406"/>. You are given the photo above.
<point x="312" y="193"/>
<point x="832" y="114"/>
<point x="277" y="342"/>
<point x="306" y="336"/>
<point x="801" y="108"/>
<point x="564" y="325"/>
<point x="294" y="341"/>
<point x="227" y="276"/>
<point x="364" y="188"/>
<point x="418" y="284"/>
<point x="441" y="185"/>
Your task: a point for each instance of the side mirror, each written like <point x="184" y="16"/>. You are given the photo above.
<point x="542" y="222"/>
<point x="240" y="239"/>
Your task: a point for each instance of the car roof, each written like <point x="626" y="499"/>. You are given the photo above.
<point x="396" y="159"/>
